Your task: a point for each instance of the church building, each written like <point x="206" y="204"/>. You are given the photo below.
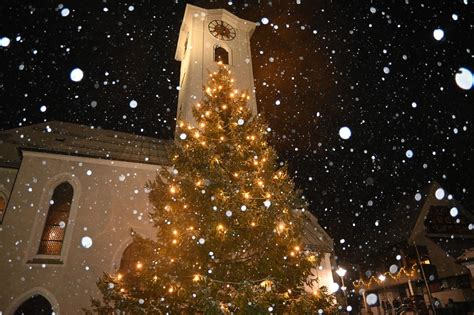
<point x="71" y="194"/>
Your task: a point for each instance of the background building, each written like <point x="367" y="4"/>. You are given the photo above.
<point x="426" y="257"/>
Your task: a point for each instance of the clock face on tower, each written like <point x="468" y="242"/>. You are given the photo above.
<point x="221" y="30"/>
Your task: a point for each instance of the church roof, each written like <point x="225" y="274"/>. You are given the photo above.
<point x="80" y="140"/>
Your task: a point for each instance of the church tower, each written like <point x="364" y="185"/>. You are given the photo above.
<point x="205" y="38"/>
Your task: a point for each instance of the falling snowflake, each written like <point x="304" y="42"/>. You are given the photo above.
<point x="438" y="34"/>
<point x="345" y="133"/>
<point x="133" y="104"/>
<point x="76" y="75"/>
<point x="86" y="242"/>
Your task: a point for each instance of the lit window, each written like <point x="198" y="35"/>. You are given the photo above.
<point x="3" y="206"/>
<point x="55" y="227"/>
<point x="221" y="54"/>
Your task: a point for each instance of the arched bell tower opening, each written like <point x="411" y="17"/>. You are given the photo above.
<point x="207" y="37"/>
<point x="221" y="55"/>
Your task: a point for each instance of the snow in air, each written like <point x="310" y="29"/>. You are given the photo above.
<point x="439" y="194"/>
<point x="393" y="268"/>
<point x="438" y="34"/>
<point x="454" y="212"/>
<point x="43" y="109"/>
<point x="65" y="12"/>
<point x="333" y="287"/>
<point x="76" y="75"/>
<point x="240" y="122"/>
<point x="386" y="70"/>
<point x="417" y="196"/>
<point x="371" y="299"/>
<point x="409" y="154"/>
<point x="4" y="41"/>
<point x="86" y="242"/>
<point x="133" y="104"/>
<point x="265" y="21"/>
<point x="345" y="133"/>
<point x="228" y="213"/>
<point x="464" y="78"/>
<point x="131" y="8"/>
<point x="267" y="203"/>
<point x="183" y="136"/>
<point x="89" y="172"/>
<point x="454" y="17"/>
<point x="243" y="208"/>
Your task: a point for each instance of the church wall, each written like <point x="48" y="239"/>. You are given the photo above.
<point x="106" y="205"/>
<point x="323" y="274"/>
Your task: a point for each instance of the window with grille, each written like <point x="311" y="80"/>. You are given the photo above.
<point x="221" y="54"/>
<point x="54" y="230"/>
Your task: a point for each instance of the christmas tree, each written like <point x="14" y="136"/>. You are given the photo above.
<point x="228" y="223"/>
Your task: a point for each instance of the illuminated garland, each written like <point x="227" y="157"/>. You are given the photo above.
<point x="408" y="272"/>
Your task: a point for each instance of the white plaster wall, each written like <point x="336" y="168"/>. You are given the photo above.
<point x="106" y="210"/>
<point x="323" y="272"/>
<point x="199" y="59"/>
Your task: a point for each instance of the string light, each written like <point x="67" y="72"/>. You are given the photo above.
<point x="220" y="122"/>
<point x="407" y="272"/>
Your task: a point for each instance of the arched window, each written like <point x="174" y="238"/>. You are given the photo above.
<point x="221" y="54"/>
<point x="36" y="304"/>
<point x="130" y="261"/>
<point x="55" y="227"/>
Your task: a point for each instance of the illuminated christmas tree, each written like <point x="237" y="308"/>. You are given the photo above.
<point x="228" y="223"/>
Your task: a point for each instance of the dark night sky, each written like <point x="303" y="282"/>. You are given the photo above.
<point x="323" y="61"/>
